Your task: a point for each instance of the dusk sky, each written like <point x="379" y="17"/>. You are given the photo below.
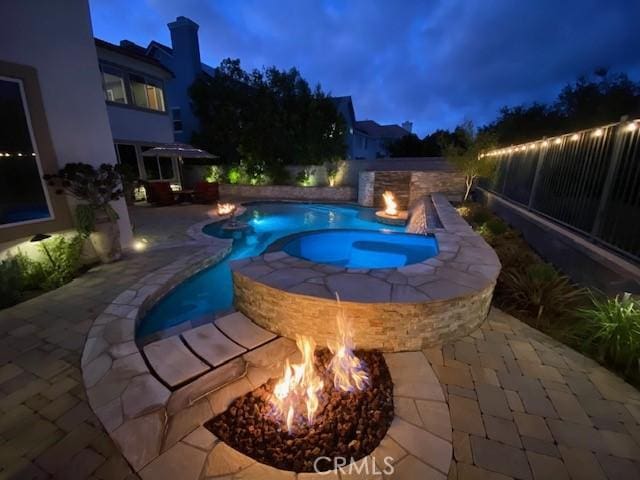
<point x="435" y="63"/>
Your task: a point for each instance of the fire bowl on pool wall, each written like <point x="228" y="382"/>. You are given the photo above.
<point x="399" y="218"/>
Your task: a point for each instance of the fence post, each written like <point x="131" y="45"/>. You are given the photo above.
<point x="616" y="153"/>
<point x="536" y="175"/>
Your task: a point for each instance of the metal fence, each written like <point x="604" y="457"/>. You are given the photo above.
<point x="588" y="181"/>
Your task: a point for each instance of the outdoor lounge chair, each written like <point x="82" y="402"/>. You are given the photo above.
<point x="160" y="193"/>
<point x="205" y="192"/>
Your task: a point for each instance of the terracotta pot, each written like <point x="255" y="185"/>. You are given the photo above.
<point x="106" y="240"/>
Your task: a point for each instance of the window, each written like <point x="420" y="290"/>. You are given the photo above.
<point x="128" y="158"/>
<point x="147" y="93"/>
<point x="23" y="197"/>
<point x="158" y="168"/>
<point x="176" y="114"/>
<point x="113" y="85"/>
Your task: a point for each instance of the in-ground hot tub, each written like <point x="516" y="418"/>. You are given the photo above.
<point x="361" y="248"/>
<point x="413" y="304"/>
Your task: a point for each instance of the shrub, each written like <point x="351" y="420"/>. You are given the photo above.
<point x="610" y="327"/>
<point x="304" y="177"/>
<point x="496" y="226"/>
<point x="540" y="293"/>
<point x="65" y="264"/>
<point x="10" y="282"/>
<point x="85" y="220"/>
<point x="213" y="173"/>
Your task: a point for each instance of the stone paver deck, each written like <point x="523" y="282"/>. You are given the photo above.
<point x="521" y="404"/>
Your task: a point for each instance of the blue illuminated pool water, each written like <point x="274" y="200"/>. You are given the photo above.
<point x="212" y="291"/>
<point x="362" y="249"/>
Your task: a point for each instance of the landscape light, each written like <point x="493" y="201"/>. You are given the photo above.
<point x="575" y="137"/>
<point x="557" y="141"/>
<point x="545" y="144"/>
<point x="140" y="245"/>
<point x="631" y="126"/>
<point x="597" y="133"/>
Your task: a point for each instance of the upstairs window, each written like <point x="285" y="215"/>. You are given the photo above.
<point x="147" y="93"/>
<point x="23" y="198"/>
<point x="113" y="85"/>
<point x="176" y="114"/>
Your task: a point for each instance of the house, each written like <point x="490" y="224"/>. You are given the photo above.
<point x="367" y="139"/>
<point x="183" y="59"/>
<point x="53" y="113"/>
<point x="134" y="87"/>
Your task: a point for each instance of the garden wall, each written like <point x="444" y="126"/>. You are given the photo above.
<point x="330" y="194"/>
<point x="583" y="261"/>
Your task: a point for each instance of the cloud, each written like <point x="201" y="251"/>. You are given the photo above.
<point x="433" y="62"/>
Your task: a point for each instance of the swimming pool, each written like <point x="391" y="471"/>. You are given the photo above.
<point x="211" y="290"/>
<point x="362" y="249"/>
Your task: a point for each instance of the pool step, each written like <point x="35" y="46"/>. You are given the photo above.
<point x="242" y="330"/>
<point x="182" y="358"/>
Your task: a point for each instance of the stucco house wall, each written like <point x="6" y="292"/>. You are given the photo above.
<point x="57" y="41"/>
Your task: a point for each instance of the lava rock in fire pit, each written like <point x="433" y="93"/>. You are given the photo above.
<point x="347" y="424"/>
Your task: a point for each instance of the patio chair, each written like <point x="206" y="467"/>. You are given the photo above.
<point x="160" y="193"/>
<point x="205" y="192"/>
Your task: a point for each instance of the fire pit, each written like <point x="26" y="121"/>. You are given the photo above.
<point x="336" y="403"/>
<point x="391" y="215"/>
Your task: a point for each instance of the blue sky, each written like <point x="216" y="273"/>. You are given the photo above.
<point x="435" y="63"/>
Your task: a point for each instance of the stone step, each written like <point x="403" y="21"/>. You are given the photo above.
<point x="243" y="331"/>
<point x="173" y="362"/>
<point x="211" y="344"/>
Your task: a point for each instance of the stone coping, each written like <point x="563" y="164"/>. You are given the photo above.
<point x="465" y="264"/>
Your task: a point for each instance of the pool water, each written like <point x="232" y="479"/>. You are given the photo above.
<point x="362" y="249"/>
<point x="211" y="290"/>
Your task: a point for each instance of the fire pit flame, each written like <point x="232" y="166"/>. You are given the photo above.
<point x="348" y="371"/>
<point x="301" y="384"/>
<point x="391" y="206"/>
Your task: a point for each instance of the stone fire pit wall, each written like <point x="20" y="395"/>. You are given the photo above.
<point x="398" y="309"/>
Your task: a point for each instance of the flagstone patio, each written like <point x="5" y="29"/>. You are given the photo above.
<point x="521" y="405"/>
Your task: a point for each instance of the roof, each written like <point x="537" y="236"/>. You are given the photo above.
<point x="131" y="50"/>
<point x="208" y="69"/>
<point x="344" y="105"/>
<point x="374" y="129"/>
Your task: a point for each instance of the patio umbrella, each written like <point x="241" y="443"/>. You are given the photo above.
<point x="180" y="150"/>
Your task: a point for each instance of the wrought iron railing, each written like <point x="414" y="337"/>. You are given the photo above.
<point x="588" y="181"/>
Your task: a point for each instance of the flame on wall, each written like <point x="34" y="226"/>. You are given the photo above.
<point x="391" y="206"/>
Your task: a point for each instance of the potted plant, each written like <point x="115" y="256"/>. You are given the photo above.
<point x="94" y="188"/>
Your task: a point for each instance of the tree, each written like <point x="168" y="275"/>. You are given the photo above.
<point x="266" y="119"/>
<point x="466" y="153"/>
<point x="407" y="146"/>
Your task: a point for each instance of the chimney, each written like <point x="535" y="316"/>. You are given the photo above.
<point x="408" y="126"/>
<point x="184" y="41"/>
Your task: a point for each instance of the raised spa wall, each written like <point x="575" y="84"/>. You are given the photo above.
<point x="397" y="309"/>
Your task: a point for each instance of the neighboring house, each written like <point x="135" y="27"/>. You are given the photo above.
<point x="52" y="113"/>
<point x="183" y="59"/>
<point x="367" y="139"/>
<point x="371" y="139"/>
<point x="137" y="104"/>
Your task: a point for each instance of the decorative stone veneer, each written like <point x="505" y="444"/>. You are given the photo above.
<point x="398" y="309"/>
<point x="288" y="192"/>
<point x="408" y="186"/>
